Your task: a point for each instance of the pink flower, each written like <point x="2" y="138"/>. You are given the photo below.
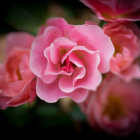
<point x="17" y="82"/>
<point x="112" y="10"/>
<point x="126" y="40"/>
<point x="68" y="60"/>
<point x="114" y="107"/>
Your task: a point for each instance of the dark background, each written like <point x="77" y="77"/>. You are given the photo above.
<point x="43" y="119"/>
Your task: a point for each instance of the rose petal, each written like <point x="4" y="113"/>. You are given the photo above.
<point x="27" y="94"/>
<point x="58" y="47"/>
<point x="93" y="77"/>
<point x="19" y="40"/>
<point x="61" y="24"/>
<point x="37" y="59"/>
<point x="133" y="72"/>
<point x="94" y="39"/>
<point x="45" y="92"/>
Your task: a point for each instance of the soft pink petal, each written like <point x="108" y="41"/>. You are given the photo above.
<point x="66" y="84"/>
<point x="93" y="38"/>
<point x="78" y="73"/>
<point x="133" y="72"/>
<point x="17" y="93"/>
<point x="11" y="89"/>
<point x="51" y="70"/>
<point x="37" y="60"/>
<point x="76" y="48"/>
<point x="58" y="47"/>
<point x="26" y="95"/>
<point x="93" y="77"/>
<point x="51" y="92"/>
<point x="61" y="24"/>
<point x="19" y="40"/>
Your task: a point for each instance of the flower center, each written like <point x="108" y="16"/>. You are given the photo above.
<point x="68" y="66"/>
<point x="117" y="49"/>
<point x="114" y="108"/>
<point x="113" y="16"/>
<point x="18" y="74"/>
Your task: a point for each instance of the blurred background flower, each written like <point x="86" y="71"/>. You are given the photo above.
<point x="115" y="106"/>
<point x="115" y="10"/>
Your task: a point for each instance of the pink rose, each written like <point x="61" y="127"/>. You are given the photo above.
<point x="114" y="107"/>
<point x="68" y="59"/>
<point x="17" y="82"/>
<point x="126" y="40"/>
<point x="112" y="10"/>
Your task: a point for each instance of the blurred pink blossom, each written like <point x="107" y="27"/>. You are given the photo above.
<point x="69" y="59"/>
<point x="126" y="40"/>
<point x="112" y="10"/>
<point x="17" y="82"/>
<point x="114" y="107"/>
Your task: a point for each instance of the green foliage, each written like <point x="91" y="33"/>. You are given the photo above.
<point x="50" y="115"/>
<point x="17" y="117"/>
<point x="77" y="114"/>
<point x="40" y="114"/>
<point x="26" y="17"/>
<point x="102" y="23"/>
